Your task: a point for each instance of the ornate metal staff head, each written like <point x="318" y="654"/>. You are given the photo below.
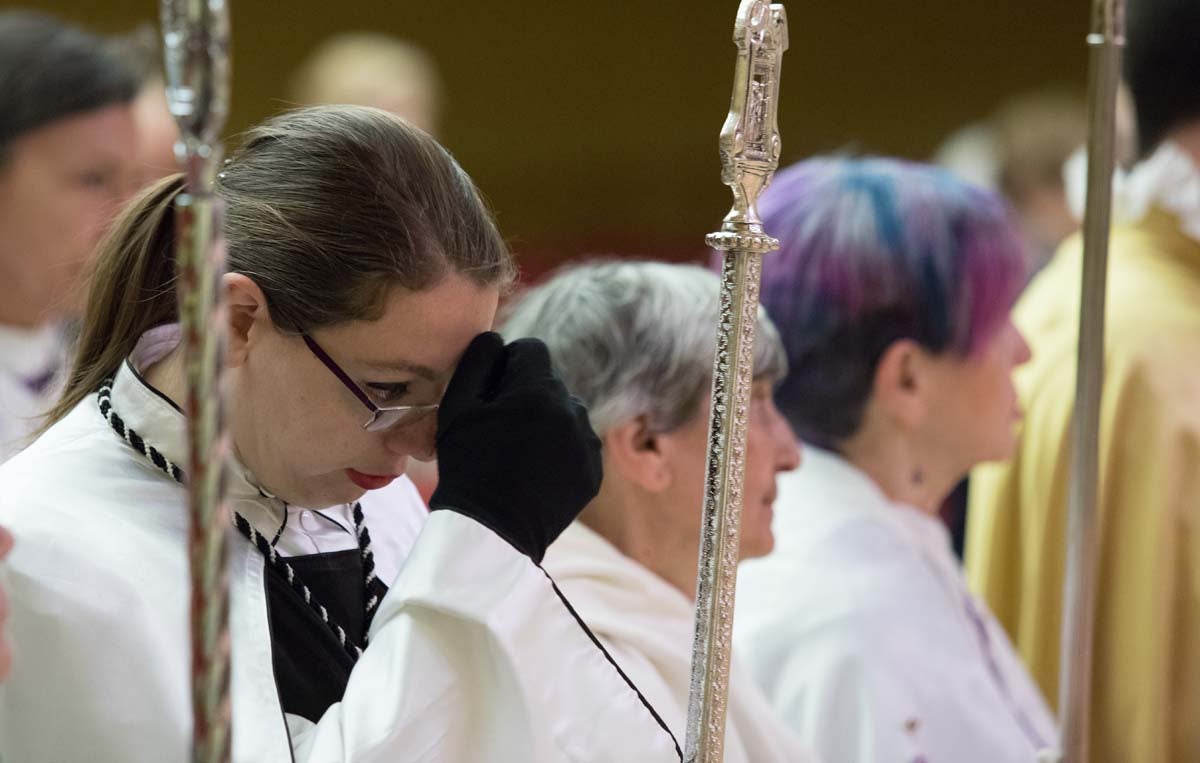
<point x="197" y="63"/>
<point x="749" y="140"/>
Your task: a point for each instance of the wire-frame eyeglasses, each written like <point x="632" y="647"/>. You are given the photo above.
<point x="382" y="416"/>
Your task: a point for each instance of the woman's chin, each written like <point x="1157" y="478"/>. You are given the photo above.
<point x="1003" y="450"/>
<point x="329" y="492"/>
<point x="756" y="546"/>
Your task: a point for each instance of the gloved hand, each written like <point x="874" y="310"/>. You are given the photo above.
<point x="515" y="451"/>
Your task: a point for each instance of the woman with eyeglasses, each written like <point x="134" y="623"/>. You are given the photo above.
<point x="364" y="274"/>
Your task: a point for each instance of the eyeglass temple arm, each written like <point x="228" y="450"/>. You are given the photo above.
<point x="339" y="373"/>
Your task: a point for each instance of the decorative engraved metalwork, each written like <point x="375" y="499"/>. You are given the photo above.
<point x="197" y="64"/>
<point x="196" y="57"/>
<point x="749" y="147"/>
<point x="1106" y="39"/>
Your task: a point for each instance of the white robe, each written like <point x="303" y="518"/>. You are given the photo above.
<point x="647" y="626"/>
<point x="860" y="630"/>
<point x="26" y="354"/>
<point x="472" y="657"/>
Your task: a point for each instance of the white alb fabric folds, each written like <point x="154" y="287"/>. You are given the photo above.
<point x="472" y="658"/>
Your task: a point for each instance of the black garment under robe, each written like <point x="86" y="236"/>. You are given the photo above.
<point x="311" y="667"/>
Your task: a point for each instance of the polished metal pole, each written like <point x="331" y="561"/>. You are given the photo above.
<point x="196" y="56"/>
<point x="749" y="147"/>
<point x="1106" y="40"/>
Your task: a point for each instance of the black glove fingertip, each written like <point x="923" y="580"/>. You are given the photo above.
<point x="477" y="372"/>
<point x="528" y="358"/>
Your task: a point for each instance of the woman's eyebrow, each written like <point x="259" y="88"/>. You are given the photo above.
<point x="403" y="366"/>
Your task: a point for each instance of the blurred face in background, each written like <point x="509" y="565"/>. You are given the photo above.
<point x="60" y="186"/>
<point x="157" y="133"/>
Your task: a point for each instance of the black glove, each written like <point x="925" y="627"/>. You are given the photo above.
<point x="515" y="451"/>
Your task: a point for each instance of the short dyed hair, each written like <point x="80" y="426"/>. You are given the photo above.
<point x="635" y="338"/>
<point x="873" y="251"/>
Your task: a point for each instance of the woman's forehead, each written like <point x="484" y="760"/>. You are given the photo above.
<point x="108" y="132"/>
<point x="421" y="332"/>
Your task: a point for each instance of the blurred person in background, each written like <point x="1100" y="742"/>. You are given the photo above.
<point x="1020" y="151"/>
<point x="635" y="341"/>
<point x="891" y="293"/>
<point x="372" y="69"/>
<point x="68" y="137"/>
<point x="1146" y="660"/>
<point x="157" y="131"/>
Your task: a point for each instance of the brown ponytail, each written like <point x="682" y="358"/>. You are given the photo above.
<point x="326" y="208"/>
<point x="131" y="290"/>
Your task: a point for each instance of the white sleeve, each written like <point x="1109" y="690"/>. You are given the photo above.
<point x="473" y="657"/>
<point x="92" y="671"/>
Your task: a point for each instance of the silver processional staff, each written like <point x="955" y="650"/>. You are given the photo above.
<point x="1106" y="39"/>
<point x="749" y="147"/>
<point x="196" y="57"/>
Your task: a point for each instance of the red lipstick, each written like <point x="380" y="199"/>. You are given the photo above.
<point x="369" y="481"/>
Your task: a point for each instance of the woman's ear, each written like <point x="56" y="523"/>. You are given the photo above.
<point x="633" y="451"/>
<point x="903" y="383"/>
<point x="248" y="313"/>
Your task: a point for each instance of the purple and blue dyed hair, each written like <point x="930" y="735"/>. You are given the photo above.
<point x="872" y="251"/>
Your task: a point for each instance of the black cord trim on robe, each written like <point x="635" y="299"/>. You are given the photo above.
<point x="645" y="702"/>
<point x="104" y="399"/>
<point x="155" y="390"/>
<point x="282" y="525"/>
<point x="264" y="546"/>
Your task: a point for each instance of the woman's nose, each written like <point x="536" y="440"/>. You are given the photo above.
<point x="787" y="444"/>
<point x="1024" y="351"/>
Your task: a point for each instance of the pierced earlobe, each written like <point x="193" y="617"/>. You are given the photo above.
<point x="907" y="379"/>
<point x="918" y="476"/>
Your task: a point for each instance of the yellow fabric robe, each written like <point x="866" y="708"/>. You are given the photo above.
<point x="1146" y="666"/>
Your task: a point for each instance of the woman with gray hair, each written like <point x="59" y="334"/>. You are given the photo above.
<point x="635" y="341"/>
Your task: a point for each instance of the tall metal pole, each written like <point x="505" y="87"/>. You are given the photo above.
<point x="196" y="55"/>
<point x="749" y="147"/>
<point x="1106" y="39"/>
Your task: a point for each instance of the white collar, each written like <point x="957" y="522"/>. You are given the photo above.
<point x="582" y="554"/>
<point x="828" y="490"/>
<point x="1168" y="179"/>
<point x="152" y="415"/>
<point x="828" y="494"/>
